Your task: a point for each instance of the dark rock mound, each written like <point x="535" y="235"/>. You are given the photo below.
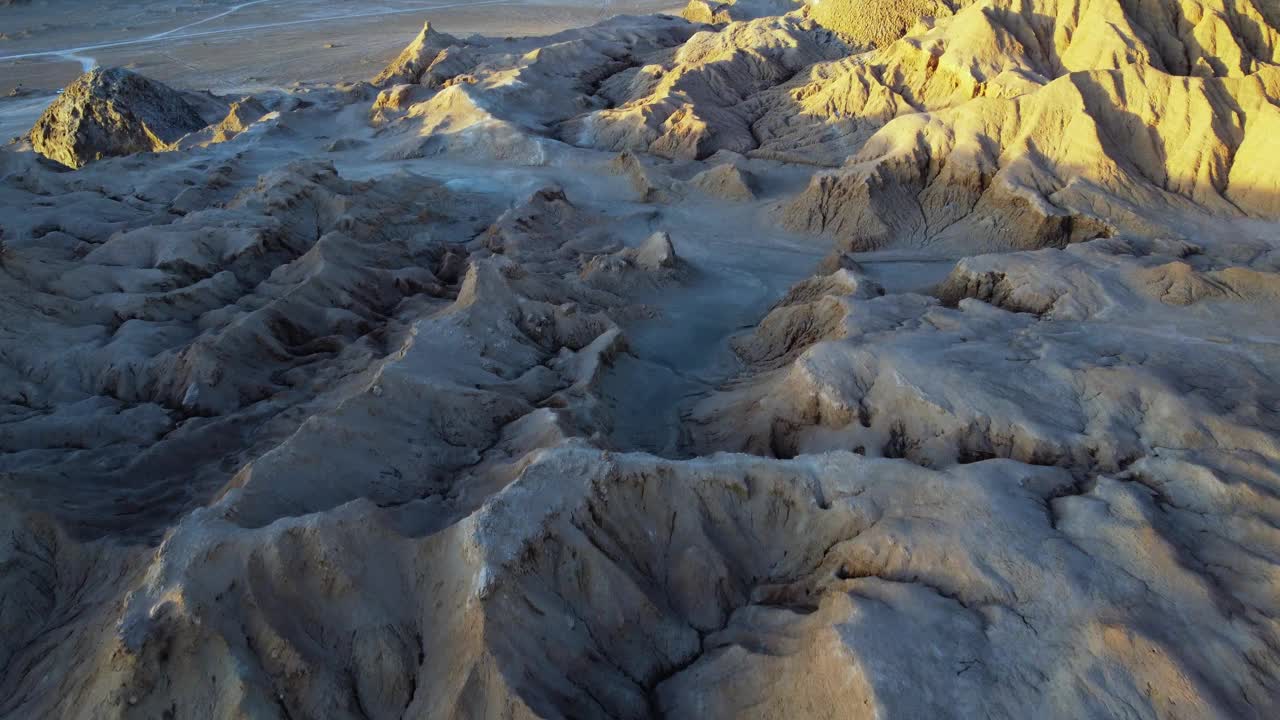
<point x="112" y="112"/>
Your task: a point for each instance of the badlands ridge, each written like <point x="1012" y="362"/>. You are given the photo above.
<point x="851" y="360"/>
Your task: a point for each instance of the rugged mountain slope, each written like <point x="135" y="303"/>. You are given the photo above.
<point x="477" y="390"/>
<point x="878" y="22"/>
<point x="689" y="107"/>
<point x="1041" y="123"/>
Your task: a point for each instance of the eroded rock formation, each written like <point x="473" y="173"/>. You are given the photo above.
<point x="111" y="112"/>
<point x="515" y="384"/>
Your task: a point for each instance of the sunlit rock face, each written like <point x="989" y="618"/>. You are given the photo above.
<point x="876" y="23"/>
<point x="112" y="112"/>
<point x="417" y="58"/>
<point x="1037" y="131"/>
<point x="725" y="11"/>
<point x="776" y="361"/>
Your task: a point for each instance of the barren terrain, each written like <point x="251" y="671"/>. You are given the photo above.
<point x="230" y="46"/>
<point x="751" y="360"/>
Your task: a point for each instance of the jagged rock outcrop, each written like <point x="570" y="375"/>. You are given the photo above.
<point x="1086" y="155"/>
<point x="1038" y="132"/>
<point x="110" y="112"/>
<point x="692" y="105"/>
<point x="801" y="603"/>
<point x="513" y="96"/>
<point x="653" y="263"/>
<point x="725" y="11"/>
<point x="726" y="181"/>
<point x="875" y="23"/>
<point x="649" y="184"/>
<point x="1007" y="367"/>
<point x="417" y="58"/>
<point x="240" y="116"/>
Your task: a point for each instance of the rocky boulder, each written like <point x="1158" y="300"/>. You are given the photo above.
<point x="112" y="112"/>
